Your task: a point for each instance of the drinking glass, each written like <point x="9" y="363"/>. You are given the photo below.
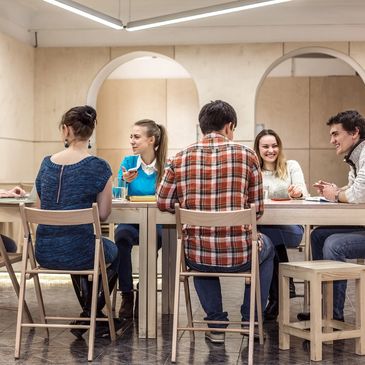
<point x="117" y="189"/>
<point x="124" y="186"/>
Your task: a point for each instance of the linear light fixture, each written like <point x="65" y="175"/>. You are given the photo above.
<point x="200" y="13"/>
<point x="86" y="12"/>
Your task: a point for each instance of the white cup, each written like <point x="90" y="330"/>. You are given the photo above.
<point x="266" y="192"/>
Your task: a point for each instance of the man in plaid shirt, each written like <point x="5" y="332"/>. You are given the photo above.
<point x="217" y="174"/>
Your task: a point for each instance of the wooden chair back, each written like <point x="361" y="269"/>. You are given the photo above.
<point x="216" y="219"/>
<point x="243" y="217"/>
<point x="60" y="217"/>
<point x="30" y="269"/>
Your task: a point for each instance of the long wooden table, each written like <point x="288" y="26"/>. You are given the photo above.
<point x="306" y="213"/>
<point x="147" y="216"/>
<point x="122" y="212"/>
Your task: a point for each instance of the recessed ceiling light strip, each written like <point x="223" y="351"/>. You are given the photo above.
<point x="200" y="13"/>
<point x="86" y="12"/>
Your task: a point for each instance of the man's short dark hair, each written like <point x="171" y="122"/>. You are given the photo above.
<point x="350" y="120"/>
<point x="215" y="115"/>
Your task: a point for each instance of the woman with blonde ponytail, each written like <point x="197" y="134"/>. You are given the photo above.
<point x="142" y="172"/>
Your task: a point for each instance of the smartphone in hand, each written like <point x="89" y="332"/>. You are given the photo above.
<point x="132" y="169"/>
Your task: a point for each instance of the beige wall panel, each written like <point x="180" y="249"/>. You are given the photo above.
<point x="121" y="51"/>
<point x="182" y="112"/>
<point x="114" y="157"/>
<point x="123" y="102"/>
<point x="16" y="89"/>
<point x="16" y="161"/>
<point x="283" y="105"/>
<point x="326" y="165"/>
<point x="357" y="52"/>
<point x="302" y="156"/>
<point x="330" y="95"/>
<point x="62" y="79"/>
<point x="337" y="46"/>
<point x="43" y="149"/>
<point x="230" y="73"/>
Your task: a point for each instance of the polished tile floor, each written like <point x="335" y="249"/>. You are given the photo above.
<point x="64" y="348"/>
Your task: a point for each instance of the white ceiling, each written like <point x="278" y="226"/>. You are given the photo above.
<point x="298" y="20"/>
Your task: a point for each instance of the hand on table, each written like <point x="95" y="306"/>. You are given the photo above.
<point x="15" y="192"/>
<point x="294" y="191"/>
<point x="321" y="185"/>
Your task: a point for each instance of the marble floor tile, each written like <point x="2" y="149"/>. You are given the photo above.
<point x="64" y="348"/>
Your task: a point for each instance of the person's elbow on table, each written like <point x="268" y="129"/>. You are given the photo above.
<point x="165" y="207"/>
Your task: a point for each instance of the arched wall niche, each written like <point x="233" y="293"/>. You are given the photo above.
<point x="297" y="108"/>
<point x="171" y="102"/>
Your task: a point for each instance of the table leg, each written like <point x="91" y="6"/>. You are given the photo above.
<point x="165" y="270"/>
<point x="152" y="275"/>
<point x="143" y="274"/>
<point x="307" y="257"/>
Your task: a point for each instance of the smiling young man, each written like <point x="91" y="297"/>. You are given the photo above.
<point x="347" y="131"/>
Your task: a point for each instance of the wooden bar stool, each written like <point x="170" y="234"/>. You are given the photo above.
<point x="320" y="327"/>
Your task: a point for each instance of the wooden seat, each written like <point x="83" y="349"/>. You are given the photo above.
<point x="216" y="219"/>
<point x="320" y="276"/>
<point x="30" y="270"/>
<point x="7" y="259"/>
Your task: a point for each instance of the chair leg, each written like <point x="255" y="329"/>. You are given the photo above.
<point x="94" y="298"/>
<point x="107" y="294"/>
<point x="18" y="335"/>
<point x="189" y="311"/>
<point x="253" y="289"/>
<point x="259" y="306"/>
<point x="38" y="290"/>
<point x="176" y="302"/>
<point x="360" y="315"/>
<point x="284" y="310"/>
<point x="327" y="287"/>
<point x="15" y="283"/>
<point x="114" y="298"/>
<point x="93" y="318"/>
<point x="316" y="320"/>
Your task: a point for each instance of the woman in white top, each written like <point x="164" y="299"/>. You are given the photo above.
<point x="281" y="179"/>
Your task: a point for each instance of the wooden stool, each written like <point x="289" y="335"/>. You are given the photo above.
<point x="320" y="328"/>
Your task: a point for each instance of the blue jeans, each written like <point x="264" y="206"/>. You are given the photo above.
<point x="281" y="236"/>
<point x="127" y="236"/>
<point x="338" y="244"/>
<point x="10" y="245"/>
<point x="209" y="288"/>
<point x="287" y="235"/>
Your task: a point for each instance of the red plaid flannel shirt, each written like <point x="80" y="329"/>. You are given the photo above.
<point x="214" y="174"/>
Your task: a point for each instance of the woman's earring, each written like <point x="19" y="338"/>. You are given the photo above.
<point x="66" y="143"/>
<point x="89" y="145"/>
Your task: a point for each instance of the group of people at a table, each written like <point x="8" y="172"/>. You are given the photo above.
<point x="214" y="174"/>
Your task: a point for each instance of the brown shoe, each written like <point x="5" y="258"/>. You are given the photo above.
<point x="126" y="307"/>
